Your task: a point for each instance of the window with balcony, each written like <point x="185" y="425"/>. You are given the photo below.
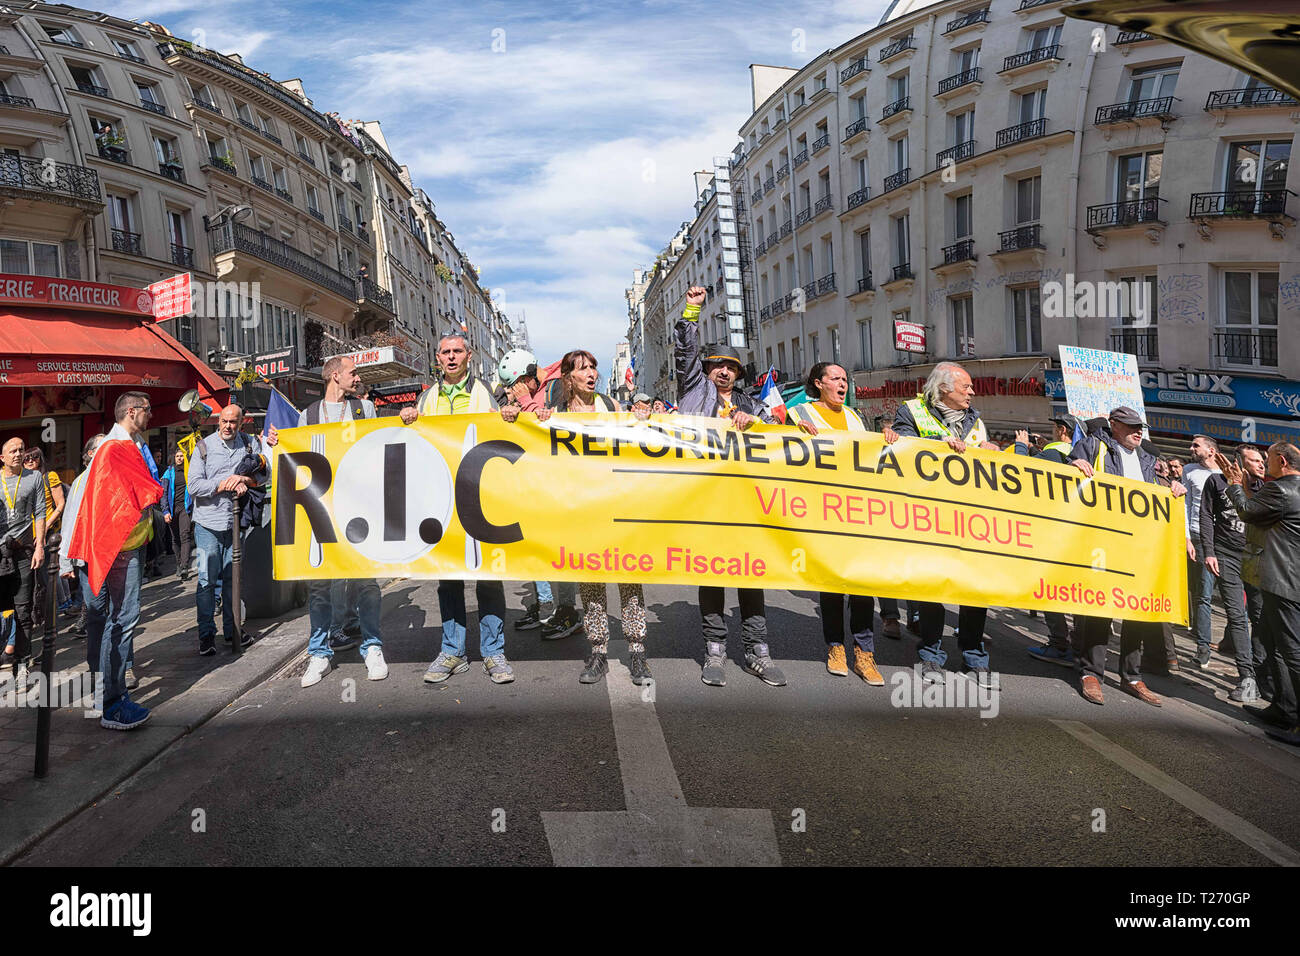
<point x="1042" y="37"/>
<point x="65" y="35"/>
<point x="1138" y="176"/>
<point x="964" y="61"/>
<point x="962" y="309"/>
<point x="1153" y="82"/>
<point x="258" y="167"/>
<point x="961" y="217"/>
<point x="245" y="115"/>
<point x="863" y="240"/>
<point x="1029" y="198"/>
<point x="127" y="50"/>
<point x="178" y="229"/>
<point x="89" y="79"/>
<point x="902" y="247"/>
<point x="167" y="152"/>
<point x="1256" y="165"/>
<point x="1136" y="332"/>
<point x="1248" y="304"/>
<point x="267" y="126"/>
<point x="313" y="200"/>
<point x="819" y="83"/>
<point x="150" y="96"/>
<point x="1032" y="105"/>
<point x="202" y="94"/>
<point x="1026" y="320"/>
<point x="24" y="258"/>
<point x="122" y="224"/>
<point x="110" y="140"/>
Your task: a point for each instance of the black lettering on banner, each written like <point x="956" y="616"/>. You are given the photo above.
<point x="925" y="456"/>
<point x="888" y="460"/>
<point x="562" y="436"/>
<point x="469" y="503"/>
<point x="1160" y="509"/>
<point x="755" y="445"/>
<point x="986" y="473"/>
<point x="1011" y="479"/>
<point x="724" y="445"/>
<point x="962" y="469"/>
<point x="395" y="491"/>
<point x="591" y="445"/>
<point x="288" y="496"/>
<point x="790" y="445"/>
<point x="823" y="453"/>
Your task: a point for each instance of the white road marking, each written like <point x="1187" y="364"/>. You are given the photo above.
<point x="657" y="828"/>
<point x="1203" y="807"/>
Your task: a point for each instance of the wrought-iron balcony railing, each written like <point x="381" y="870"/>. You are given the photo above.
<point x="1240" y="204"/>
<point x="1022" y="237"/>
<point x="307" y="158"/>
<point x="261" y="183"/>
<point x="955" y="154"/>
<point x="249" y="124"/>
<point x="899" y="178"/>
<point x="773" y="238"/>
<point x="782" y="171"/>
<point x="760" y="248"/>
<point x="182" y="255"/>
<point x="967" y="20"/>
<point x="765" y="313"/>
<point x="208" y="105"/>
<point x="821" y="142"/>
<point x="118" y="154"/>
<point x="48" y="176"/>
<point x="172" y="170"/>
<point x="897" y="47"/>
<point x="1246" y="346"/>
<point x="220" y="162"/>
<point x="284" y="194"/>
<point x="316" y="213"/>
<point x="267" y="134"/>
<point x="769" y="184"/>
<point x="1027" y="4"/>
<point x="8" y="99"/>
<point x="800" y="158"/>
<point x="124" y="241"/>
<point x="757" y="192"/>
<point x="1129" y="213"/>
<point x="67" y="41"/>
<point x="370" y="291"/>
<point x="963" y="250"/>
<point x="864" y="283"/>
<point x="336" y="169"/>
<point x="130" y="56"/>
<point x="1132" y="36"/>
<point x="1144" y="342"/>
<point x="233" y="236"/>
<point x="1021" y="132"/>
<point x="94" y="90"/>
<point x="826" y="284"/>
<point x="1256" y="97"/>
<point x="822" y="205"/>
<point x="858" y="197"/>
<point x="153" y="107"/>
<point x="950" y="83"/>
<point x="1051" y="51"/>
<point x="900" y="105"/>
<point x="804" y="216"/>
<point x="901" y="271"/>
<point x="1160" y="106"/>
<point x="787" y="227"/>
<point x="364" y="235"/>
<point x="860" y="65"/>
<point x="810" y="290"/>
<point x="854" y="128"/>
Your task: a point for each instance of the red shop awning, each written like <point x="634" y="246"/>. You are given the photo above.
<point x="49" y="347"/>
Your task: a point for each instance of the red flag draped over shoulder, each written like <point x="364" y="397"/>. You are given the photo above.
<point x="118" y="488"/>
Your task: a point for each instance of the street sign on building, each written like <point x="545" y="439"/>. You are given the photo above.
<point x="909" y="336"/>
<point x="172" y="297"/>
<point x="279" y="364"/>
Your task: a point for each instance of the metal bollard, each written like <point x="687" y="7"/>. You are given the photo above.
<point x="236" y="556"/>
<point x="44" y="712"/>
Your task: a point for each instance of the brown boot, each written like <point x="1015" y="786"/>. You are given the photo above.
<point x="836" y="662"/>
<point x="892" y="629"/>
<point x="1139" y="690"/>
<point x="1090" y="687"/>
<point x="864" y="665"/>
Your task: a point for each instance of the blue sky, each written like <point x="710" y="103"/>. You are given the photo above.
<point x="562" y="159"/>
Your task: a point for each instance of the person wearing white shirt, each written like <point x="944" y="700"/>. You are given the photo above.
<point x="1200" y="580"/>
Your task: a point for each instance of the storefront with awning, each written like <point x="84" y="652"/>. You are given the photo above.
<point x="69" y="348"/>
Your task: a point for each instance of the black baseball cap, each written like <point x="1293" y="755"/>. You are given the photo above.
<point x="1127" y="416"/>
<point x="718" y="354"/>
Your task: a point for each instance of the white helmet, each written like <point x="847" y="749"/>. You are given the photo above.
<point x="516" y="364"/>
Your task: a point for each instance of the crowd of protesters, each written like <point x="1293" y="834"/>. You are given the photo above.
<point x="1243" y="538"/>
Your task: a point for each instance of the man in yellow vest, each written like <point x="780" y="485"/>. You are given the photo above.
<point x="943" y="412"/>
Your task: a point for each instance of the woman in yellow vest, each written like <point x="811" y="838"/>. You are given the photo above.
<point x="828" y="385"/>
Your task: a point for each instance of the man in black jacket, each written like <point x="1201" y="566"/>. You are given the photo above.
<point x="1276" y="507"/>
<point x="1223" y="542"/>
<point x="709" y="386"/>
<point x="1116" y="449"/>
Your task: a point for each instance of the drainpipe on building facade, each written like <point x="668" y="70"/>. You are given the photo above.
<point x="1072" y="186"/>
<point x="794" y="216"/>
<point x="923" y="273"/>
<point x="88" y="222"/>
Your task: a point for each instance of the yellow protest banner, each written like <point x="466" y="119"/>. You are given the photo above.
<point x="680" y="500"/>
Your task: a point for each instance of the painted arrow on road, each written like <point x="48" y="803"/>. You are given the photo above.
<point x="657" y="828"/>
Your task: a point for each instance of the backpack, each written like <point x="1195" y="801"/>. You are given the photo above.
<point x="254" y="503"/>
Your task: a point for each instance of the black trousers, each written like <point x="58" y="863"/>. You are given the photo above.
<point x="860" y="619"/>
<point x="753" y="615"/>
<point x="16" y="596"/>
<point x="1093" y="637"/>
<point x="1280" y="632"/>
<point x="181" y="532"/>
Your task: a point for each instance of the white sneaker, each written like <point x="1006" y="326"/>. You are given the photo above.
<point x="23" y="679"/>
<point x="376" y="668"/>
<point x="317" y="667"/>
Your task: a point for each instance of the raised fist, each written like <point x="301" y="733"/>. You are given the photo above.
<point x="696" y="295"/>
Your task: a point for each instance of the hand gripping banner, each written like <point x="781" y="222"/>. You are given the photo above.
<point x="680" y="500"/>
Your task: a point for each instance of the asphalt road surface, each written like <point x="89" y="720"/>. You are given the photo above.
<point x="823" y="771"/>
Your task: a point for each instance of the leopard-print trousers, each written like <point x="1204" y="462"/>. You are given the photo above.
<point x="595" y="615"/>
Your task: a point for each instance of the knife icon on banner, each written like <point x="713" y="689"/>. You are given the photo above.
<point x="473" y="553"/>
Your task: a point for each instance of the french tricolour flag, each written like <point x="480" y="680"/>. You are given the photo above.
<point x="771" y="396"/>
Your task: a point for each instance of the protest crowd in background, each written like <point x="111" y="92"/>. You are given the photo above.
<point x="125" y="514"/>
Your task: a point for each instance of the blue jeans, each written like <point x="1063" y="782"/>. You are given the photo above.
<point x="970" y="634"/>
<point x="343" y="595"/>
<point x="562" y="593"/>
<point x="491" y="612"/>
<point x="327" y="601"/>
<point x="111" y="617"/>
<point x="1201" y="583"/>
<point x="213" y="549"/>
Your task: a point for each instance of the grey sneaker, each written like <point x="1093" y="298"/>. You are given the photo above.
<point x="715" y="660"/>
<point x="1246" y="692"/>
<point x="931" y="672"/>
<point x="443" y="667"/>
<point x="1203" y="655"/>
<point x="759" y="663"/>
<point x="498" y="669"/>
<point x="132" y="682"/>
